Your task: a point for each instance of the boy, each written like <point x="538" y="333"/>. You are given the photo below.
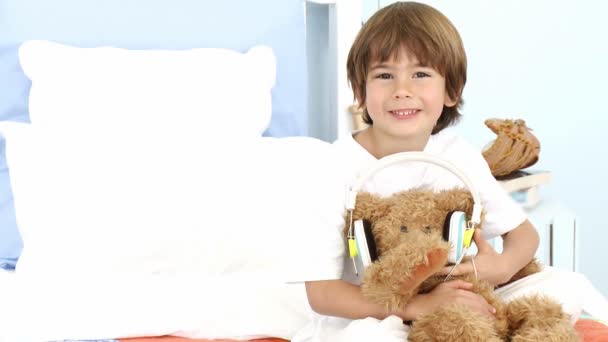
<point x="407" y="69"/>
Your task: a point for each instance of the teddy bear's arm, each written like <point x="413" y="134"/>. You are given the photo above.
<point x="394" y="279"/>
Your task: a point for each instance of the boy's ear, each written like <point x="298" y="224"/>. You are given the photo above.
<point x="449" y="102"/>
<point x="370" y="207"/>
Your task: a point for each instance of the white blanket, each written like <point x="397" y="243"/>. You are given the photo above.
<point x="239" y="308"/>
<point x="234" y="307"/>
<point x="572" y="290"/>
<point x="335" y="329"/>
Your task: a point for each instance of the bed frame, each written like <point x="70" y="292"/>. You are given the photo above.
<point x="331" y="27"/>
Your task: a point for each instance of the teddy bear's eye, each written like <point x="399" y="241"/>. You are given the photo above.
<point x="427" y="229"/>
<point x="404" y="229"/>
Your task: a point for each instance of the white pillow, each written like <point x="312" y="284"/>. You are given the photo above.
<point x="219" y="91"/>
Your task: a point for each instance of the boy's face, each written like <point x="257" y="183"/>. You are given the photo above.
<point x="404" y="98"/>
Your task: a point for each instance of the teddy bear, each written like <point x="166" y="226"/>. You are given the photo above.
<point x="514" y="148"/>
<point x="407" y="230"/>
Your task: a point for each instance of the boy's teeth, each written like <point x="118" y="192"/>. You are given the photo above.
<point x="404" y="112"/>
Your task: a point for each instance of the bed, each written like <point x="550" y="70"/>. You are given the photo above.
<point x="232" y="80"/>
<point x="120" y="120"/>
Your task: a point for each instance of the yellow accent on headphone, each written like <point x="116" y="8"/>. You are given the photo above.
<point x="352" y="247"/>
<point x="468" y="237"/>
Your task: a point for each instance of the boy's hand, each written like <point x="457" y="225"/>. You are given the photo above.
<point x="454" y="291"/>
<point x="491" y="266"/>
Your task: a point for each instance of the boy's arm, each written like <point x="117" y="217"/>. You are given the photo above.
<point x="519" y="247"/>
<point x="342" y="299"/>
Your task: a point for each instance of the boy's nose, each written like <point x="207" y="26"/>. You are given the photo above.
<point x="402" y="91"/>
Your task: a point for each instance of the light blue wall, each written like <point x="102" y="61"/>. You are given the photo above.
<point x="544" y="61"/>
<point x="319" y="72"/>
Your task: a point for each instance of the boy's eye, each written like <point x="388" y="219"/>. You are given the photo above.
<point x="384" y="76"/>
<point x="421" y="74"/>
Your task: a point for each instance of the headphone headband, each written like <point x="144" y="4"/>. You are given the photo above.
<point x="414" y="156"/>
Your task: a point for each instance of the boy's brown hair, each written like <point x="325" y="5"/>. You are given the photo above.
<point x="427" y="34"/>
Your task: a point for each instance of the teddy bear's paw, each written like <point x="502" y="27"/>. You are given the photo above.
<point x="384" y="295"/>
<point x="557" y="333"/>
<point x="394" y="279"/>
<point x="535" y="310"/>
<point x="453" y="323"/>
<point x="539" y="318"/>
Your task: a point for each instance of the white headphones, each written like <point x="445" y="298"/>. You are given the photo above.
<point x="459" y="232"/>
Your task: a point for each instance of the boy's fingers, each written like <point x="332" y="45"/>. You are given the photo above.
<point x="459" y="284"/>
<point x="481" y="306"/>
<point x="463" y="268"/>
<point x="445" y="270"/>
<point x="476" y="301"/>
<point x="481" y="243"/>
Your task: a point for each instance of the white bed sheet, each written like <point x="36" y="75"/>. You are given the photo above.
<point x="572" y="290"/>
<point x="235" y="307"/>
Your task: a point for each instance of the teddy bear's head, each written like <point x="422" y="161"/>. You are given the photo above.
<point x="397" y="218"/>
<point x="408" y="230"/>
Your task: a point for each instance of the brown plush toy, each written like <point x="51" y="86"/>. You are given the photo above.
<point x="514" y="148"/>
<point x="407" y="229"/>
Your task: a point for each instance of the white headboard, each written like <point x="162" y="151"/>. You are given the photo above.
<point x="331" y="27"/>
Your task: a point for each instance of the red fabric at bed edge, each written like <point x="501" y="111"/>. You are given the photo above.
<point x="589" y="331"/>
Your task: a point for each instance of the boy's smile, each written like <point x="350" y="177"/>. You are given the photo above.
<point x="404" y="114"/>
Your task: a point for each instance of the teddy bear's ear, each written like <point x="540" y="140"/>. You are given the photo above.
<point x="370" y="207"/>
<point x="455" y="199"/>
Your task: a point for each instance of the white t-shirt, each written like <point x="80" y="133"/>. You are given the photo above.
<point x="326" y="256"/>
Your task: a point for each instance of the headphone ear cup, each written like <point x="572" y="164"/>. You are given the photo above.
<point x="366" y="244"/>
<point x="453" y="232"/>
